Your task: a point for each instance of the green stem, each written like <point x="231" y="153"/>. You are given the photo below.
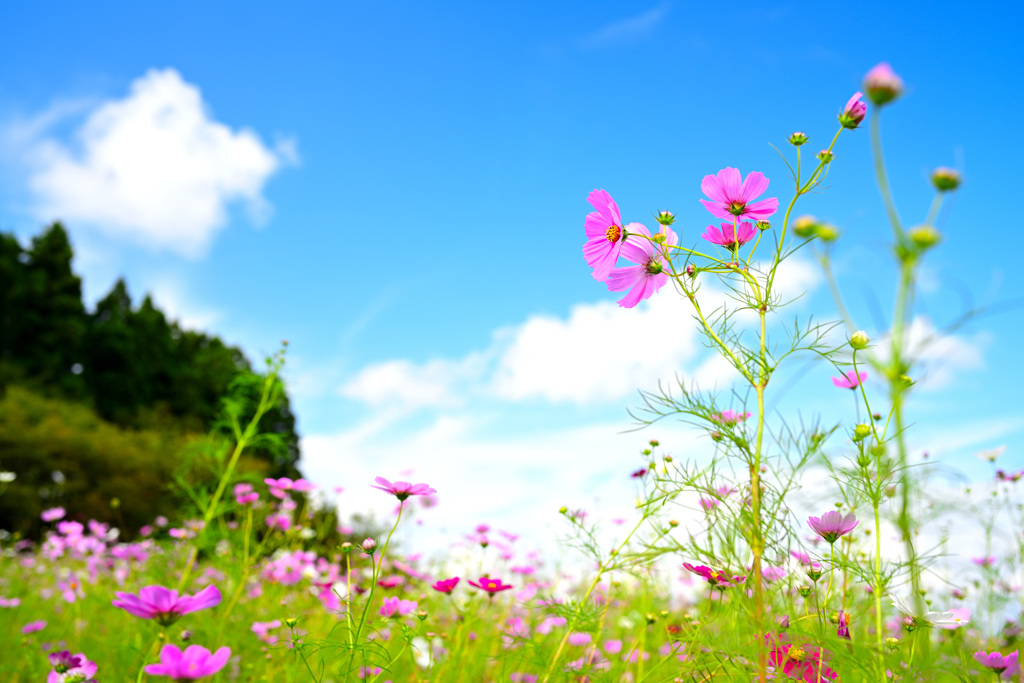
<point x="883" y="180"/>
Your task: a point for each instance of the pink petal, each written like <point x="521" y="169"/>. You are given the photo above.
<point x="753" y="187"/>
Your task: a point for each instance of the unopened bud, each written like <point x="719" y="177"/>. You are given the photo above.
<point x="562" y="510"/>
<point x="186" y="635"/>
<point x="651" y="617"/>
<point x="877" y="450"/>
<point x="827" y="233"/>
<point x="666" y="217"/>
<point x="782" y="622"/>
<point x="863" y="461"/>
<point x="673" y="522"/>
<point x="814" y="575"/>
<point x="346" y="547"/>
<point x="924" y="236"/>
<point x="804" y="591"/>
<point x="882" y="85"/>
<point x="654" y="443"/>
<point x="763" y="225"/>
<point x="422" y="614"/>
<point x="369" y="545"/>
<point x="945" y="179"/>
<point x="797" y="138"/>
<point x="825" y="156"/>
<point x="861" y="432"/>
<point x="804" y="226"/>
<point x="690" y="270"/>
<point x="290" y="622"/>
<point x="859" y="340"/>
<point x="716" y="436"/>
<point x="892" y="643"/>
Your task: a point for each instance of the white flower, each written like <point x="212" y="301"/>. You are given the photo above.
<point x="7" y="477"/>
<point x="940" y="619"/>
<point x="991" y="454"/>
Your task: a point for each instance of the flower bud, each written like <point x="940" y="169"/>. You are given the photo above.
<point x="654" y="443"/>
<point x="882" y="84"/>
<point x="782" y="622"/>
<point x="186" y="635"/>
<point x="877" y="449"/>
<point x="290" y="622"/>
<point x="651" y="617"/>
<point x="804" y="591"/>
<point x="667" y="458"/>
<point x="945" y="179"/>
<point x="346" y="547"/>
<point x="826" y="232"/>
<point x="691" y="270"/>
<point x="804" y="226"/>
<point x="854" y="112"/>
<point x="369" y="545"/>
<point x="861" y="432"/>
<point x="421" y="615"/>
<point x="892" y="643"/>
<point x="863" y="461"/>
<point x="716" y="436"/>
<point x="562" y="510"/>
<point x="924" y="236"/>
<point x="825" y="156"/>
<point x="763" y="225"/>
<point x="797" y="139"/>
<point x="859" y="340"/>
<point x="666" y="217"/>
<point x="814" y="575"/>
<point x="673" y="523"/>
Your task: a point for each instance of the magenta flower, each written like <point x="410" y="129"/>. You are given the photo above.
<point x="71" y="588"/>
<point x="68" y="667"/>
<point x="446" y="585"/>
<point x="844" y="625"/>
<point x="648" y="275"/>
<point x="882" y="84"/>
<point x="402" y="489"/>
<point x="33" y="626"/>
<point x="997" y="662"/>
<point x="245" y="495"/>
<point x="605" y="234"/>
<point x="802" y="663"/>
<point x="715" y="577"/>
<point x="988" y="561"/>
<point x="195" y="662"/>
<point x="490" y="585"/>
<point x="393" y="606"/>
<point x="832" y="525"/>
<point x="52" y="514"/>
<point x="729" y="417"/>
<point x="279" y="486"/>
<point x="854" y="112"/>
<point x="164" y="604"/>
<point x="10" y="602"/>
<point x="732" y="199"/>
<point x="726" y="237"/>
<point x="850" y="379"/>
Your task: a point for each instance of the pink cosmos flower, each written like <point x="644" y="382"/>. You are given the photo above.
<point x="648" y="275"/>
<point x="519" y="677"/>
<point x="244" y="494"/>
<point x="578" y="638"/>
<point x="195" y="662"/>
<point x="715" y="577"/>
<point x="69" y="667"/>
<point x="402" y="489"/>
<point x="71" y="588"/>
<point x="997" y="662"/>
<point x="279" y="486"/>
<point x="984" y="561"/>
<point x="164" y="604"/>
<point x="730" y="198"/>
<point x="729" y="417"/>
<point x="391" y="581"/>
<point x="10" y="602"/>
<point x="832" y="525"/>
<point x="960" y="616"/>
<point x="33" y="627"/>
<point x="52" y="514"/>
<point x="802" y="663"/>
<point x="446" y="585"/>
<point x="369" y="671"/>
<point x="773" y="573"/>
<point x="844" y="625"/>
<point x="850" y="379"/>
<point x="726" y="237"/>
<point x="854" y="112"/>
<point x="393" y="606"/>
<point x="490" y="585"/>
<point x="605" y="234"/>
<point x="262" y="630"/>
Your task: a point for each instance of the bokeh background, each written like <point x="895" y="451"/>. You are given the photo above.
<point x="398" y="189"/>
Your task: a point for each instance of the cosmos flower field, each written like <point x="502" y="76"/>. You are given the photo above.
<point x="253" y="589"/>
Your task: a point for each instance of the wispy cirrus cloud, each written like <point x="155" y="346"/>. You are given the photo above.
<point x="628" y="30"/>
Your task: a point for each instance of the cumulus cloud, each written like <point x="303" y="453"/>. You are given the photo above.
<point x="154" y="168"/>
<point x="939" y="357"/>
<point x="598" y="353"/>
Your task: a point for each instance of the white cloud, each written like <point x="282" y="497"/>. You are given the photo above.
<point x="598" y="353"/>
<point x="153" y="168"/>
<point x="171" y="297"/>
<point x="938" y="357"/>
<point x="627" y="30"/>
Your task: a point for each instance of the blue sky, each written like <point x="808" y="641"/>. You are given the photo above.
<point x="399" y="190"/>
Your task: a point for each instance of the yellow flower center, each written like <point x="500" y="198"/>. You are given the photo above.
<point x="614" y="233"/>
